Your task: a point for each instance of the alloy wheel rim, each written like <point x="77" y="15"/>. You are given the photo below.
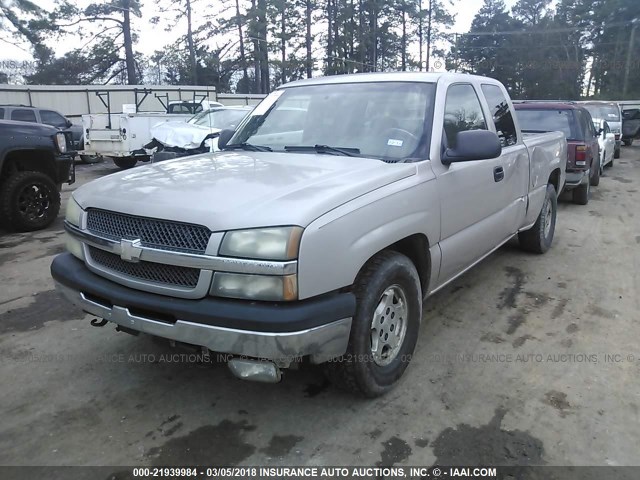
<point x="389" y="325"/>
<point x="33" y="201"/>
<point x="548" y="214"/>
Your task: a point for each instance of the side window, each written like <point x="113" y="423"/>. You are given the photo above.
<point x="52" y="118"/>
<point x="22" y="115"/>
<point x="502" y="115"/>
<point x="1" y="113"/>
<point x="462" y="112"/>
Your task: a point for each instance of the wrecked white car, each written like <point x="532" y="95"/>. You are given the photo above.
<point x="198" y="135"/>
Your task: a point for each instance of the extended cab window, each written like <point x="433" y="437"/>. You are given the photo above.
<point x="462" y="112"/>
<point x="502" y="115"/>
<point x="22" y="115"/>
<point x="52" y="118"/>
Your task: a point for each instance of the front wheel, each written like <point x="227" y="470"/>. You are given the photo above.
<point x="384" y="329"/>
<point x="539" y="237"/>
<point x="125" y="162"/>
<point x="29" y="201"/>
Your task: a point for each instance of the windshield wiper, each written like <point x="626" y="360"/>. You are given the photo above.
<point x="346" y="151"/>
<point x="248" y="146"/>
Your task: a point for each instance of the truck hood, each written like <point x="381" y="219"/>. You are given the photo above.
<point x="233" y="190"/>
<point x="180" y="134"/>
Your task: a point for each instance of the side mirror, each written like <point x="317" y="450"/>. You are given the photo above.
<point x="225" y="136"/>
<point x="473" y="145"/>
<point x="69" y="123"/>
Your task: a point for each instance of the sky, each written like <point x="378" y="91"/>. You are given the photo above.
<point x="153" y="37"/>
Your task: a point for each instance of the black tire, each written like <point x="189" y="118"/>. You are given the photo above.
<point x="124" y="163"/>
<point x="90" y="159"/>
<point x="616" y="154"/>
<point x="610" y="164"/>
<point x="538" y="238"/>
<point x="29" y="201"/>
<point x="595" y="175"/>
<point x="628" y="143"/>
<point x="581" y="194"/>
<point x="359" y="370"/>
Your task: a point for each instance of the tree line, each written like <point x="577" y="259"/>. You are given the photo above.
<point x="539" y="49"/>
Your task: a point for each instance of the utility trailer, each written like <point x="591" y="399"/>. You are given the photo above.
<point x="123" y="136"/>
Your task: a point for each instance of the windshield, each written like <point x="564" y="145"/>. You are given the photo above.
<point x="384" y="120"/>
<point x="547" y="121"/>
<point x="225" y="118"/>
<point x="610" y="113"/>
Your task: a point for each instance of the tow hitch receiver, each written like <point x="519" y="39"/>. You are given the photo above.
<point x="255" y="370"/>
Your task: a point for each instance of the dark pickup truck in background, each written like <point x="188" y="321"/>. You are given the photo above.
<point x="35" y="160"/>
<point x="630" y="125"/>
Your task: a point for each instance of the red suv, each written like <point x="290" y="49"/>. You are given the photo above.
<point x="583" y="166"/>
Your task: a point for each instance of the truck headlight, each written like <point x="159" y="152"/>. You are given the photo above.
<point x="255" y="287"/>
<point x="74" y="212"/>
<point x="278" y="243"/>
<point x="61" y="142"/>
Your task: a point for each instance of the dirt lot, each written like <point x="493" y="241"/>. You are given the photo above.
<point x="525" y="360"/>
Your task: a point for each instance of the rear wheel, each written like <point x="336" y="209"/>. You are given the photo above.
<point x="125" y="162"/>
<point x="384" y="329"/>
<point x="616" y="154"/>
<point x="538" y="238"/>
<point x="29" y="201"/>
<point x="595" y="176"/>
<point x="628" y="143"/>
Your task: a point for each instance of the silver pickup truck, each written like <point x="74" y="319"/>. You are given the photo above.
<point x="316" y="239"/>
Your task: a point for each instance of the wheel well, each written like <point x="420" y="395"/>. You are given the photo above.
<point x="416" y="247"/>
<point x="29" y="160"/>
<point x="554" y="179"/>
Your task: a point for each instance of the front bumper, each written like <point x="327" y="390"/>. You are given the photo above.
<point x="280" y="332"/>
<point x="65" y="168"/>
<point x="575" y="179"/>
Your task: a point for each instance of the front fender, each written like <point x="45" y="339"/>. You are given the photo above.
<point x="336" y="246"/>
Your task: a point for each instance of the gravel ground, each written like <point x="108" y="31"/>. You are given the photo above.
<point x="524" y="360"/>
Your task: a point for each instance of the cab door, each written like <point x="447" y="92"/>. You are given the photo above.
<point x="473" y="194"/>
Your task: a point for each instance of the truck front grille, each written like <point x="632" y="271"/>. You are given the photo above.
<point x="152" y="232"/>
<point x="168" y="275"/>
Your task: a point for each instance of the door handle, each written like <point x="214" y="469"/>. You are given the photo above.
<point x="498" y="174"/>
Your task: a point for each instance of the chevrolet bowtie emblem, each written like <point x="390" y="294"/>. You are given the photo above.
<point x="130" y="250"/>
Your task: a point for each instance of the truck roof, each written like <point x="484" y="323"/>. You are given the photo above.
<point x="389" y="77"/>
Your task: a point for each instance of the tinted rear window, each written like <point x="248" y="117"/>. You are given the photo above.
<point x="24" y="116"/>
<point x="549" y="121"/>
